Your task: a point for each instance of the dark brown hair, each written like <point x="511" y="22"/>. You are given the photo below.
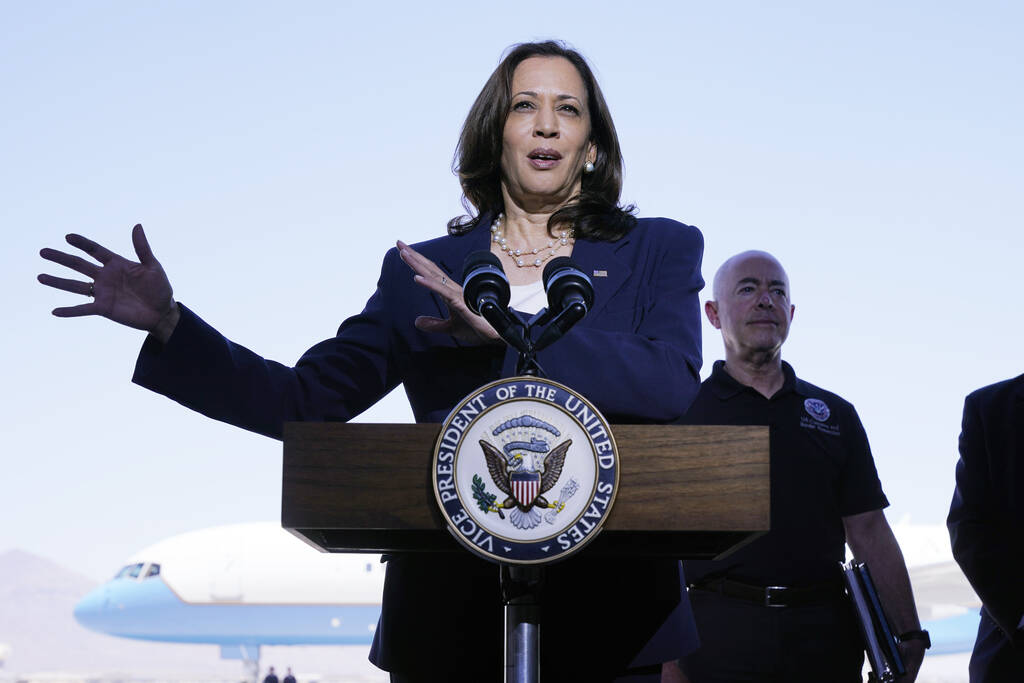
<point x="595" y="212"/>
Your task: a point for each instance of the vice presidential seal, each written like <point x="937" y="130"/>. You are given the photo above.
<point x="525" y="471"/>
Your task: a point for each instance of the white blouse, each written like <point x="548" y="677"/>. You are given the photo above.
<point x="528" y="298"/>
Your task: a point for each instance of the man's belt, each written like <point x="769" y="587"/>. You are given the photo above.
<point x="773" y="596"/>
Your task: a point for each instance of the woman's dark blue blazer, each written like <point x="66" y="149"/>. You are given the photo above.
<point x="636" y="356"/>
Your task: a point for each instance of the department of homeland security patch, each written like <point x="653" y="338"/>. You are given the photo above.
<point x="817" y="409"/>
<point x="525" y="471"/>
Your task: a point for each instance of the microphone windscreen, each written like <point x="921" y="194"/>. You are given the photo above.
<point x="566" y="283"/>
<point x="483" y="276"/>
<point x="554" y="265"/>
<point x="477" y="259"/>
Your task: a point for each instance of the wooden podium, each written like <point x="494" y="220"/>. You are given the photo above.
<point x="684" y="491"/>
<point x="688" y="492"/>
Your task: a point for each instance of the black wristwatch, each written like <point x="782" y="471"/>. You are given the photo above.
<point x="917" y="634"/>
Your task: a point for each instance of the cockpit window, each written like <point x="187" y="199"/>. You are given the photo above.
<point x="135" y="570"/>
<point x="154" y="570"/>
<point x="123" y="572"/>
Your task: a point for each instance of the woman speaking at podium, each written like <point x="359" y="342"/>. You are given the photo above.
<point x="541" y="172"/>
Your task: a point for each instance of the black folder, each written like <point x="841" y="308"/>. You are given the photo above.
<point x="879" y="640"/>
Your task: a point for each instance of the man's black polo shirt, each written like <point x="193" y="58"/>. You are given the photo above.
<point x="821" y="471"/>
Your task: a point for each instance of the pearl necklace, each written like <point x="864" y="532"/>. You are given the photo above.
<point x="521" y="257"/>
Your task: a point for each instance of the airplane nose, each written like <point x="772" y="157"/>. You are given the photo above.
<point x="90" y="609"/>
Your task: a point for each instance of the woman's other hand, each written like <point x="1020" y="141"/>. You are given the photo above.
<point x="138" y="295"/>
<point x="461" y="323"/>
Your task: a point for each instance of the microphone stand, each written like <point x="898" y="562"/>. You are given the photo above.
<point x="520" y="592"/>
<point x="521" y="585"/>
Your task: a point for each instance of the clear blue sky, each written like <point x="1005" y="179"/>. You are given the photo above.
<point x="274" y="151"/>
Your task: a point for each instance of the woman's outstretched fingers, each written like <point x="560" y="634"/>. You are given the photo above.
<point x="138" y="295"/>
<point x="75" y="311"/>
<point x="76" y="263"/>
<point x="461" y="323"/>
<point x="97" y="251"/>
<point x="141" y="244"/>
<point x="440" y="285"/>
<point x="419" y="263"/>
<point x="73" y="286"/>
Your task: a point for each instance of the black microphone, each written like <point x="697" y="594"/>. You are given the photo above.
<point x="486" y="292"/>
<point x="570" y="296"/>
<point x="484" y="281"/>
<point x="567" y="285"/>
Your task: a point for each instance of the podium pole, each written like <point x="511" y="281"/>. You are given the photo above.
<point x="520" y="591"/>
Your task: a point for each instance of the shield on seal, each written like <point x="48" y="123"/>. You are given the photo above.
<point x="525" y="486"/>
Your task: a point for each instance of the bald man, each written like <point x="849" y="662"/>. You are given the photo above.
<point x="774" y="610"/>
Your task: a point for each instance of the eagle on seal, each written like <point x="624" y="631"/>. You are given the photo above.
<point x="503" y="469"/>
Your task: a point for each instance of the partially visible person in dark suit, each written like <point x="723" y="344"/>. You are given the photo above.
<point x="986" y="525"/>
<point x="541" y="173"/>
<point x="271" y="677"/>
<point x="289" y="677"/>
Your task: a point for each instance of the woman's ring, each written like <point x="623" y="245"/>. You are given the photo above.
<point x="444" y="281"/>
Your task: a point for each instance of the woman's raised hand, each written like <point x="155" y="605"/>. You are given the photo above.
<point x="461" y="322"/>
<point x="138" y="295"/>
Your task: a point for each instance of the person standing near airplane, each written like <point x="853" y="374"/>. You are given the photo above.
<point x="541" y="171"/>
<point x="289" y="677"/>
<point x="986" y="525"/>
<point x="775" y="609"/>
<point x="271" y="677"/>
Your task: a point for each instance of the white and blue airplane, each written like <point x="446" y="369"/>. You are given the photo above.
<point x="246" y="585"/>
<point x="239" y="586"/>
<point x="947" y="605"/>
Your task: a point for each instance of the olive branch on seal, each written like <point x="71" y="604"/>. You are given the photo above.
<point x="484" y="500"/>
